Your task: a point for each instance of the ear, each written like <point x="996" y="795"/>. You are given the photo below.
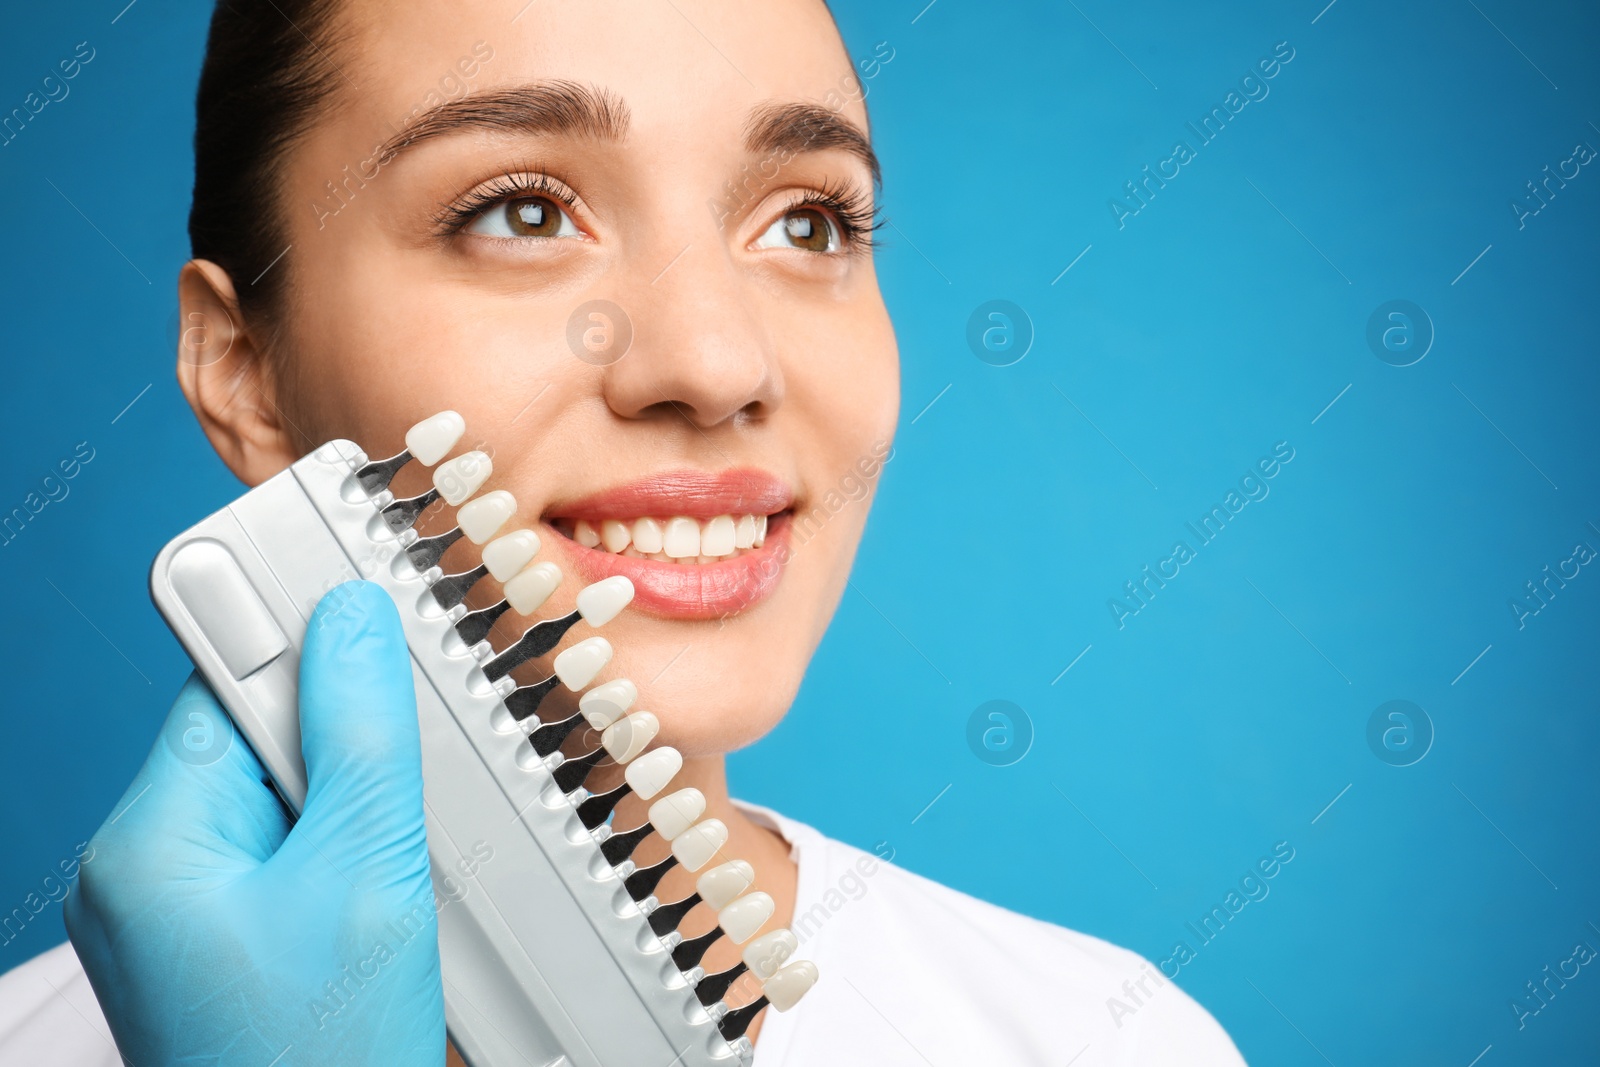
<point x="225" y="377"/>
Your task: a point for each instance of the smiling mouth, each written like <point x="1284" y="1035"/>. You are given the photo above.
<point x="680" y="539"/>
<point x="696" y="545"/>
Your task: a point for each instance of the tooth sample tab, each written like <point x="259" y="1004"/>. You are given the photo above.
<point x="431" y="440"/>
<point x="744" y="532"/>
<point x="628" y="736"/>
<point x="699" y="843"/>
<point x="482" y="518"/>
<point x="584" y="533"/>
<point x="615" y="535"/>
<point x="676" y="812"/>
<point x="462" y="476"/>
<point x="744" y="917"/>
<point x="784" y="989"/>
<point x="528" y="589"/>
<point x="767" y="953"/>
<point x="681" y="540"/>
<point x="601" y="602"/>
<point x="505" y="556"/>
<point x="577" y="666"/>
<point x="722" y="884"/>
<point x="650" y="773"/>
<point x="605" y="704"/>
<point x="647" y="536"/>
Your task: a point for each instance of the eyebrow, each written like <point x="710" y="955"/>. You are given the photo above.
<point x="576" y="110"/>
<point x="775" y="129"/>
<point x="553" y="107"/>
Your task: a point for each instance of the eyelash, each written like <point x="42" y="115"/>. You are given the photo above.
<point x="458" y="216"/>
<point x="851" y="209"/>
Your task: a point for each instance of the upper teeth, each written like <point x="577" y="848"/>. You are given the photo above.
<point x="676" y="539"/>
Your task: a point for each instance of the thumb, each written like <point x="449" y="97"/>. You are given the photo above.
<point x="360" y="739"/>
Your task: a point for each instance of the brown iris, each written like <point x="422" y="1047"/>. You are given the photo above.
<point x="808" y="229"/>
<point x="533" y="216"/>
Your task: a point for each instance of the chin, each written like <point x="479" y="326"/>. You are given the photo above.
<point x="713" y="690"/>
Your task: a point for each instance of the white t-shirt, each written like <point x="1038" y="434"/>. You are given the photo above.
<point x="913" y="974"/>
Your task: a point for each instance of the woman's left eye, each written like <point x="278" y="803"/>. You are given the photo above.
<point x="805" y="228"/>
<point x="526" y="216"/>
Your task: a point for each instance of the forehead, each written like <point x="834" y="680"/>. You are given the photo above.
<point x="678" y="66"/>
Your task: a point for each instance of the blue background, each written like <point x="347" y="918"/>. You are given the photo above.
<point x="1225" y="316"/>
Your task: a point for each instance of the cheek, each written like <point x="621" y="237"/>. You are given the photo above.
<point x="844" y="389"/>
<point x="376" y="349"/>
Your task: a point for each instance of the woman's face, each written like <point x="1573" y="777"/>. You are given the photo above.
<point x="621" y="240"/>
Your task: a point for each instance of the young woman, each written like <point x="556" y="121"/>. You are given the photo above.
<point x="631" y="243"/>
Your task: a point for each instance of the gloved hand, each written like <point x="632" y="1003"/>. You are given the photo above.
<point x="215" y="932"/>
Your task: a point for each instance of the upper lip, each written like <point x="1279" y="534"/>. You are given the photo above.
<point x="696" y="494"/>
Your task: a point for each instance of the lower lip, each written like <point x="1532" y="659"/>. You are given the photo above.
<point x="692" y="590"/>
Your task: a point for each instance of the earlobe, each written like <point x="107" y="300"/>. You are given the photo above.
<point x="224" y="375"/>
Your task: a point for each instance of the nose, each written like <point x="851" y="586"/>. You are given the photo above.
<point x="699" y="347"/>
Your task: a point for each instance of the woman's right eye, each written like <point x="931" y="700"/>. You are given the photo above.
<point x="526" y="216"/>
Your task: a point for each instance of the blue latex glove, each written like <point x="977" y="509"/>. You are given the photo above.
<point x="216" y="932"/>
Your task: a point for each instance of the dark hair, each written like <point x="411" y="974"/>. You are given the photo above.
<point x="267" y="67"/>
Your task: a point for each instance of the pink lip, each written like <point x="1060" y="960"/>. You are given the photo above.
<point x="697" y="494"/>
<point x="692" y="590"/>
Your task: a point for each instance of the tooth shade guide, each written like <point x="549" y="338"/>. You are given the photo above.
<point x="700" y="844"/>
<point x="490" y="714"/>
<point x="792" y="981"/>
<point x="578" y="664"/>
<point x="627" y="737"/>
<point x="722" y="884"/>
<point x="475" y="626"/>
<point x="713" y="987"/>
<point x="604" y="600"/>
<point x="689" y="952"/>
<point x="676" y="812"/>
<point x="771" y="950"/>
<point x="375" y="476"/>
<point x="651" y="772"/>
<point x="619" y="847"/>
<point x="506" y="555"/>
<point x="548" y="737"/>
<point x="666" y="918"/>
<point x="452" y="589"/>
<point x="459" y="478"/>
<point x="427" y="442"/>
<point x="641" y="885"/>
<point x="524" y="701"/>
<point x="749" y="913"/>
<point x="432" y="439"/>
<point x="733" y="1025"/>
<point x="483" y="517"/>
<point x="426" y="552"/>
<point x="401" y="515"/>
<point x="606" y="702"/>
<point x="528" y="589"/>
<point x="571" y="773"/>
<point x="597" y="808"/>
<point x="541" y="638"/>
